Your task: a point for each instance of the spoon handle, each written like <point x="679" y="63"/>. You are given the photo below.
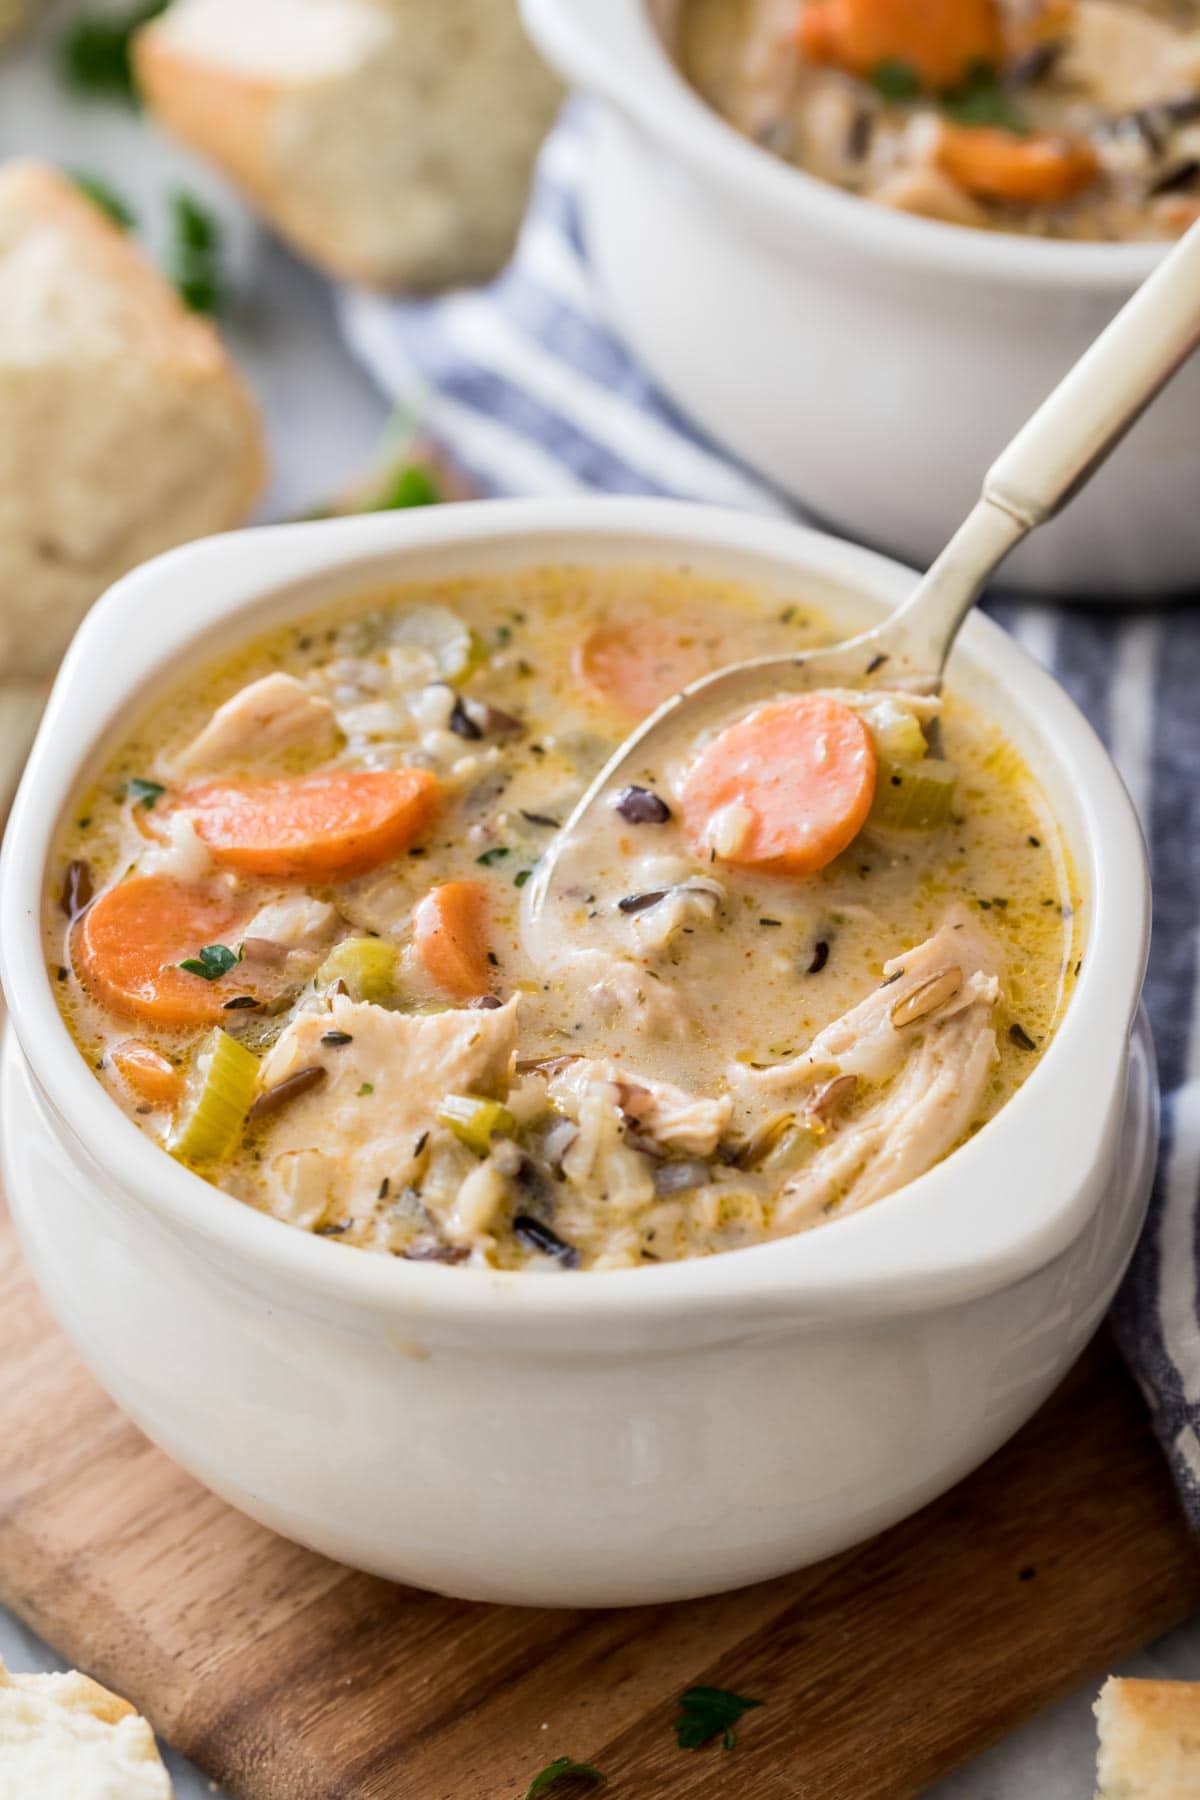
<point x="1058" y="450"/>
<point x="1106" y="392"/>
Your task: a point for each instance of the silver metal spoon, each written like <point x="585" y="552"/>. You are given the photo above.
<point x="1050" y="459"/>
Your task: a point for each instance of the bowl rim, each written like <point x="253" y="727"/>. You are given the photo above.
<point x="611" y="49"/>
<point x="1032" y="1187"/>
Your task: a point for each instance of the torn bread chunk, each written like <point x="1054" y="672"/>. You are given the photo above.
<point x="64" y="1737"/>
<point x="390" y="141"/>
<point x="14" y="14"/>
<point x="1149" y="1735"/>
<point x="124" y="427"/>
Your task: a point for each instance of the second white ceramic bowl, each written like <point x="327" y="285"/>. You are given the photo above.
<point x="870" y="363"/>
<point x="598" y="1438"/>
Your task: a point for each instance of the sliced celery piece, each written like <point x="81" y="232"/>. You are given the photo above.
<point x="222" y="1085"/>
<point x="448" y="639"/>
<point x="367" y="966"/>
<point x="914" y="796"/>
<point x="475" y="1122"/>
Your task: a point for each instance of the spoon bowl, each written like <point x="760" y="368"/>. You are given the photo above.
<point x="1052" y="457"/>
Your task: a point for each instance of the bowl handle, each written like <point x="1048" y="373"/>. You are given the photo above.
<point x="595" y="45"/>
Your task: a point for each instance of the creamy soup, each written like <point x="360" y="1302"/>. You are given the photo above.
<point x="795" y="966"/>
<point x="1067" y="118"/>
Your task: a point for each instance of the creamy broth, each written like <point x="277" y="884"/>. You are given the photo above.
<point x="713" y="1054"/>
<point x="1062" y="118"/>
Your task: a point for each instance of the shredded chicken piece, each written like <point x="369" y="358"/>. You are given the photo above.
<point x="614" y="989"/>
<point x="670" y="1115"/>
<point x="180" y="852"/>
<point x="386" y="1074"/>
<point x="866" y="1041"/>
<point x="768" y="70"/>
<point x="930" y="194"/>
<point x="1123" y="58"/>
<point x="927" y="1033"/>
<point x="918" y="1120"/>
<point x="296" y="921"/>
<point x="272" y="714"/>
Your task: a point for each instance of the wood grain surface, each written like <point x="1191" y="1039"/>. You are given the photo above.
<point x="289" y="1678"/>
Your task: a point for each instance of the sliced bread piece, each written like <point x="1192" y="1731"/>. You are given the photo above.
<point x="13" y="14"/>
<point x="124" y="428"/>
<point x="64" y="1736"/>
<point x="391" y="141"/>
<point x="1149" y="1740"/>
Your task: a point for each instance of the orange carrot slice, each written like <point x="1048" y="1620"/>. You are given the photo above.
<point x="636" y="664"/>
<point x="450" y="935"/>
<point x="128" y="945"/>
<point x="938" y="39"/>
<point x="151" y="1076"/>
<point x="786" y="789"/>
<point x="338" y="823"/>
<point x="999" y="165"/>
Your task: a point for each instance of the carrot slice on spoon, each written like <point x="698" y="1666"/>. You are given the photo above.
<point x="784" y="790"/>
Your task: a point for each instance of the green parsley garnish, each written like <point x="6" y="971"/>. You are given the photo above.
<point x="94" y="52"/>
<point x="368" y="1087"/>
<point x="563" y="1768"/>
<point x="521" y="877"/>
<point x="982" y="99"/>
<point x="98" y="191"/>
<point x="495" y="855"/>
<point x="213" y="961"/>
<point x="896" y="79"/>
<point x="411" y="485"/>
<point x="144" y="793"/>
<point x="194" y="259"/>
<point x="706" y="1713"/>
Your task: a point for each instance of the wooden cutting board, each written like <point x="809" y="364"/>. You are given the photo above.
<point x="287" y="1677"/>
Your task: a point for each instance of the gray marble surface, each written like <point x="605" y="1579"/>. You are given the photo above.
<point x="324" y="419"/>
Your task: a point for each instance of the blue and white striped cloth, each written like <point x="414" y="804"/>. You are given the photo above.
<point x="528" y="387"/>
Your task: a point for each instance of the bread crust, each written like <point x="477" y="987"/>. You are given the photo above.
<point x="14" y="16"/>
<point x="38" y="197"/>
<point x="125" y="428"/>
<point x="413" y="197"/>
<point x="1149" y="1745"/>
<point x="226" y="115"/>
<point x="44" y="1737"/>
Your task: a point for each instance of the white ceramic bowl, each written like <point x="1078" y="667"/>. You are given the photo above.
<point x="871" y="363"/>
<point x="602" y="1437"/>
